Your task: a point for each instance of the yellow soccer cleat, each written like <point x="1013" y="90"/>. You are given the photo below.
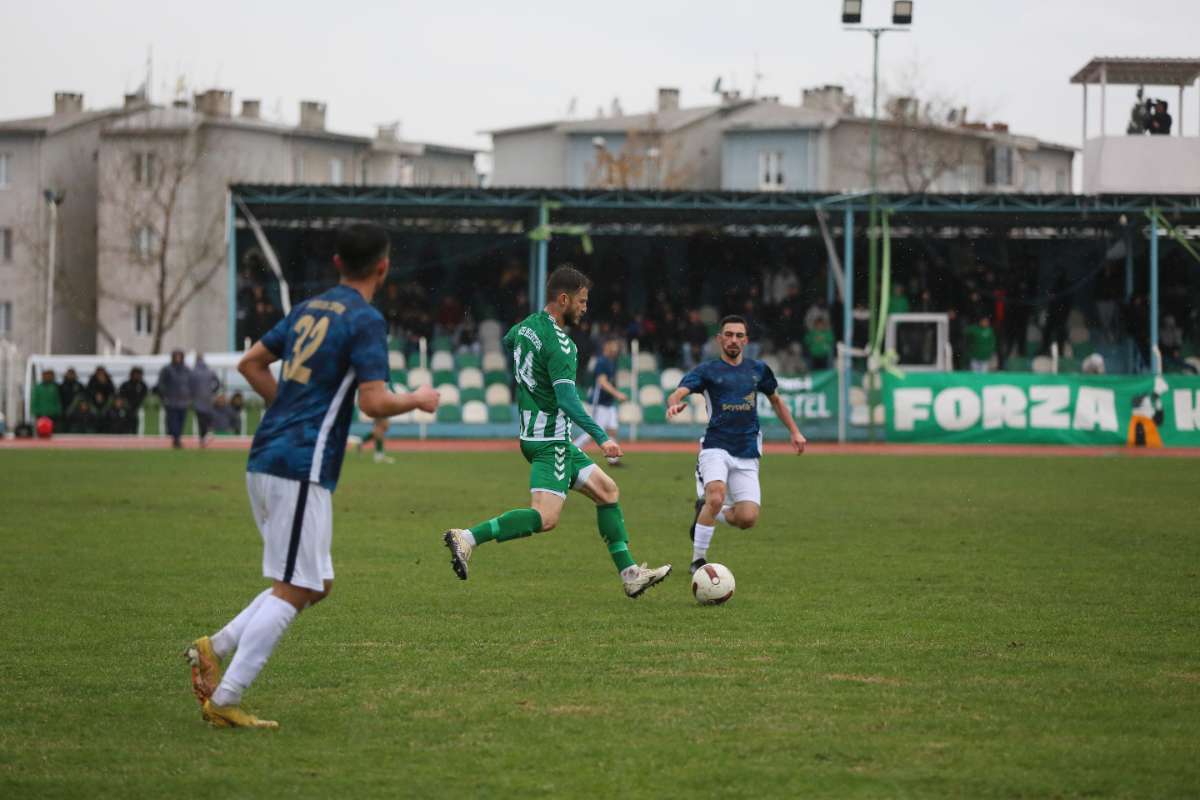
<point x="206" y="668"/>
<point x="233" y="717"/>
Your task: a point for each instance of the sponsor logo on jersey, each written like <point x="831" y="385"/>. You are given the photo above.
<point x="747" y="404"/>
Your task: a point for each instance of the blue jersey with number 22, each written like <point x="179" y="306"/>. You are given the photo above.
<point x="329" y="345"/>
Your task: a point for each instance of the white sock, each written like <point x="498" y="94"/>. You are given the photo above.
<point x="721" y="514"/>
<point x="225" y="640"/>
<point x="701" y="540"/>
<point x="262" y="633"/>
<point x="470" y="537"/>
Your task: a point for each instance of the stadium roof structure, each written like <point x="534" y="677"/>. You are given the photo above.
<point x="292" y="204"/>
<point x="1139" y="71"/>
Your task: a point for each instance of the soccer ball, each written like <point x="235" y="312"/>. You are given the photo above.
<point x="712" y="584"/>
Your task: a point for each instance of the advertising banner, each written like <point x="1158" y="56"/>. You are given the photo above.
<point x="1030" y="408"/>
<point x="812" y="399"/>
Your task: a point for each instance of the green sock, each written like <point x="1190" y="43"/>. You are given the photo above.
<point x="611" y="523"/>
<point x="510" y="525"/>
<point x="378" y="444"/>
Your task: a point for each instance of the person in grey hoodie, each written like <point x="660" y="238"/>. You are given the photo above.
<point x="204" y="385"/>
<point x="175" y="390"/>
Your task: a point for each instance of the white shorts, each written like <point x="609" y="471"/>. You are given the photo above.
<point x="740" y="476"/>
<point x="605" y="416"/>
<point x="295" y="519"/>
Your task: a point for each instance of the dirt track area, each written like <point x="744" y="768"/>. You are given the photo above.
<point x="99" y="442"/>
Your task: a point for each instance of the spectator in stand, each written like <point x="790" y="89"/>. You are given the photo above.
<point x="175" y="390"/>
<point x="815" y="312"/>
<point x="225" y="418"/>
<point x="1058" y="310"/>
<point x="1160" y="122"/>
<point x="101" y="389"/>
<point x="1016" y="321"/>
<point x="134" y="390"/>
<point x="204" y="385"/>
<point x="81" y="416"/>
<point x="981" y="344"/>
<point x="818" y="345"/>
<point x="1170" y="342"/>
<point x="118" y="418"/>
<point x="898" y="303"/>
<point x="46" y="400"/>
<point x="695" y="337"/>
<point x="69" y="389"/>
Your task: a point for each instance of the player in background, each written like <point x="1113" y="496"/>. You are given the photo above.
<point x="377" y="435"/>
<point x="727" y="469"/>
<point x="331" y="345"/>
<point x="605" y="394"/>
<point x="544" y="362"/>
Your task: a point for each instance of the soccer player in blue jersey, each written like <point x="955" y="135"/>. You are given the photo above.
<point x="605" y="395"/>
<point x="331" y="345"/>
<point x="727" y="470"/>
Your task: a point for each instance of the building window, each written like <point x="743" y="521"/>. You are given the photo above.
<point x="770" y="171"/>
<point x="998" y="166"/>
<point x="5" y="158"/>
<point x="5" y="245"/>
<point x="5" y="318"/>
<point x="1033" y="180"/>
<point x="335" y="170"/>
<point x="144" y="242"/>
<point x="143" y="319"/>
<point x="1060" y="181"/>
<point x="145" y="168"/>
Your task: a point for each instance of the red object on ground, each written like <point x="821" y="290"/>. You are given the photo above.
<point x="45" y="427"/>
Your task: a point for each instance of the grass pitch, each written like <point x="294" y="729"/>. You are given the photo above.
<point x="973" y="627"/>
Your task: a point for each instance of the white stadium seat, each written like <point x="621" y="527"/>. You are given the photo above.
<point x="651" y="396"/>
<point x="494" y="362"/>
<point x="442" y="360"/>
<point x="448" y="393"/>
<point x="1043" y="364"/>
<point x="490" y="331"/>
<point x="647" y="362"/>
<point x="699" y="408"/>
<point x="470" y="378"/>
<point x="419" y="377"/>
<point x="670" y="378"/>
<point x="498" y="395"/>
<point x="629" y="413"/>
<point x="624" y="378"/>
<point x="474" y="412"/>
<point x="423" y="416"/>
<point x="396" y="360"/>
<point x="772" y="362"/>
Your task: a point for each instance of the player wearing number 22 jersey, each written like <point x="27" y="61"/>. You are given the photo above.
<point x="331" y="346"/>
<point x="544" y="366"/>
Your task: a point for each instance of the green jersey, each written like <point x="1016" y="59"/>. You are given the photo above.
<point x="544" y="364"/>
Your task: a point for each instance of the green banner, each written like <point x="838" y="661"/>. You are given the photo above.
<point x="1029" y="408"/>
<point x="811" y="398"/>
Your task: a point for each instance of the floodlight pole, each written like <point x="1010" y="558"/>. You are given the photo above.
<point x="873" y="177"/>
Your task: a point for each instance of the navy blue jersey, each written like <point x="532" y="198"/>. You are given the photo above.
<point x="609" y="370"/>
<point x="732" y="396"/>
<point x="329" y="345"/>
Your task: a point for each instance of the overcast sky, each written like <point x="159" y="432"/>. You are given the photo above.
<point x="450" y="69"/>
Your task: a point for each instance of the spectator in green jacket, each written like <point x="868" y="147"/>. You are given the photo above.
<point x="818" y="343"/>
<point x="981" y="344"/>
<point x="46" y="401"/>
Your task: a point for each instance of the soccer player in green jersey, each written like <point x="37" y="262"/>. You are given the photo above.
<point x="544" y="363"/>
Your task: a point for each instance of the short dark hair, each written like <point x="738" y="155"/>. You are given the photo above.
<point x="360" y="246"/>
<point x="735" y="319"/>
<point x="566" y="279"/>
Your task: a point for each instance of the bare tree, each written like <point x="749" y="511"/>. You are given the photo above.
<point x="921" y="136"/>
<point x="162" y="227"/>
<point x="646" y="160"/>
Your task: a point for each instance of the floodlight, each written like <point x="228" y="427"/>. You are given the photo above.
<point x="902" y="12"/>
<point x="852" y="12"/>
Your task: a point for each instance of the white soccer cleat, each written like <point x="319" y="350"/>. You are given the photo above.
<point x="460" y="551"/>
<point x="380" y="458"/>
<point x="645" y="578"/>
